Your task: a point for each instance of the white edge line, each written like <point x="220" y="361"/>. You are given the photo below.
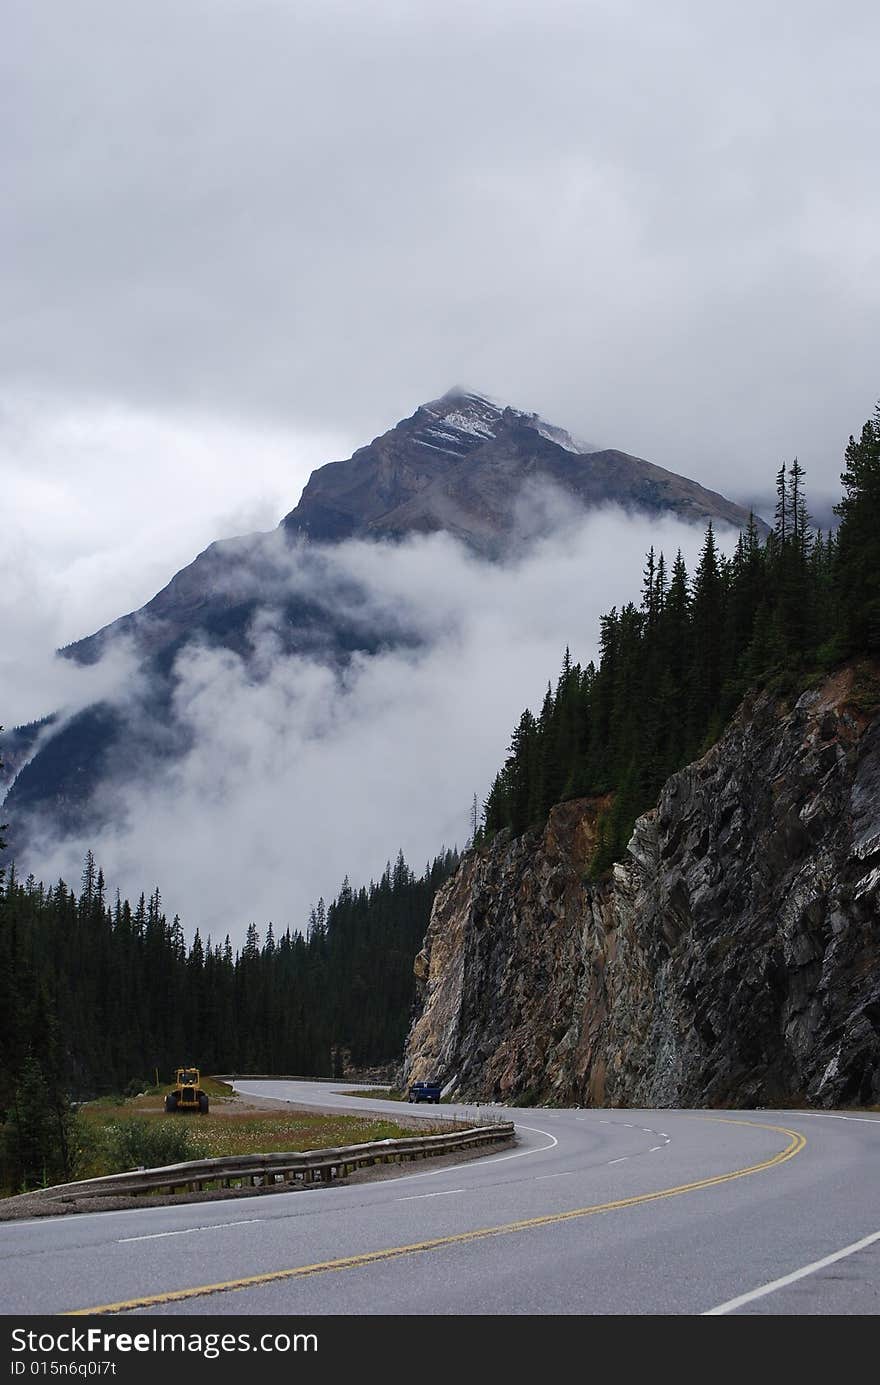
<point x="733" y="1303"/>
<point x="499" y="1158"/>
<point x="417" y="1197"/>
<point x="830" y="1116"/>
<point x="158" y="1235"/>
<point x="189" y="1230"/>
<point x="477" y="1163"/>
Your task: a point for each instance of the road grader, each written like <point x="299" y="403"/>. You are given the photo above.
<point x="187" y="1094"/>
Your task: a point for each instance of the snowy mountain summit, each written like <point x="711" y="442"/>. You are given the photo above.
<point x="455" y="418"/>
<point x="459" y="417"/>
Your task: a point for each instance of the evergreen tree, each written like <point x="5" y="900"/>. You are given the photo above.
<point x="706" y="629"/>
<point x="35" y="1137"/>
<point x="857" y="569"/>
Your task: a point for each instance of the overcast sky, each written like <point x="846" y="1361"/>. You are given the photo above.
<point x="241" y="237"/>
<point x="234" y="227"/>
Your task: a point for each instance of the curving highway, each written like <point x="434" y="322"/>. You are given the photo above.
<point x="594" y="1212"/>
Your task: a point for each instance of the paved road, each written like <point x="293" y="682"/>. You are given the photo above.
<point x="608" y="1212"/>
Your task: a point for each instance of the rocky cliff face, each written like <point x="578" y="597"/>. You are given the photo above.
<point x="733" y="958"/>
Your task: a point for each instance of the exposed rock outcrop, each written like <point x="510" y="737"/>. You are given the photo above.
<point x="733" y="957"/>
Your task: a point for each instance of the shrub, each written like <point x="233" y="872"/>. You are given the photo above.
<point x="132" y="1144"/>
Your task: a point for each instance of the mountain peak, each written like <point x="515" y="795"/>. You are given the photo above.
<point x="457" y="422"/>
<point x="460" y="416"/>
<point x="459" y="464"/>
<point x="458" y="396"/>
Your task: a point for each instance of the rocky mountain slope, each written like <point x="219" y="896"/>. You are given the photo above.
<point x="460" y="464"/>
<point x="733" y="957"/>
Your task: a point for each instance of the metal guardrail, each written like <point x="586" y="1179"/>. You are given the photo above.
<point x="276" y="1077"/>
<point x="268" y="1170"/>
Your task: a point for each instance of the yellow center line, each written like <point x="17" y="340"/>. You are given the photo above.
<point x="796" y="1143"/>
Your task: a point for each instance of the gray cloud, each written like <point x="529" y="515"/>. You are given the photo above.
<point x="654" y="224"/>
<point x="240" y="237"/>
<point x="298" y="775"/>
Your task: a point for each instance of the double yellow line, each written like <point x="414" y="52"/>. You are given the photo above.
<point x="795" y="1144"/>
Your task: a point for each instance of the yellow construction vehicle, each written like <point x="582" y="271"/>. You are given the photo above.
<point x="187" y="1095"/>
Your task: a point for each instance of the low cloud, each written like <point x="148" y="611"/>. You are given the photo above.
<point x="48" y="686"/>
<point x="106" y="501"/>
<point x="300" y="772"/>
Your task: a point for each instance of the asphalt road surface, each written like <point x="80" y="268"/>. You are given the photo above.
<point x="593" y="1212"/>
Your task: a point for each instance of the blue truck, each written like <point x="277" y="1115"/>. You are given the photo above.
<point x="425" y="1091"/>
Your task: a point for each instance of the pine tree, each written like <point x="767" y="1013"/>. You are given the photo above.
<point x="706" y="620"/>
<point x="857" y="567"/>
<point x="800" y="519"/>
<point x="650" y="603"/>
<point x="781" y="529"/>
<point x="89" y="880"/>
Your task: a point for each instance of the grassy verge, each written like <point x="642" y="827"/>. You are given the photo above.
<point x="124" y="1134"/>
